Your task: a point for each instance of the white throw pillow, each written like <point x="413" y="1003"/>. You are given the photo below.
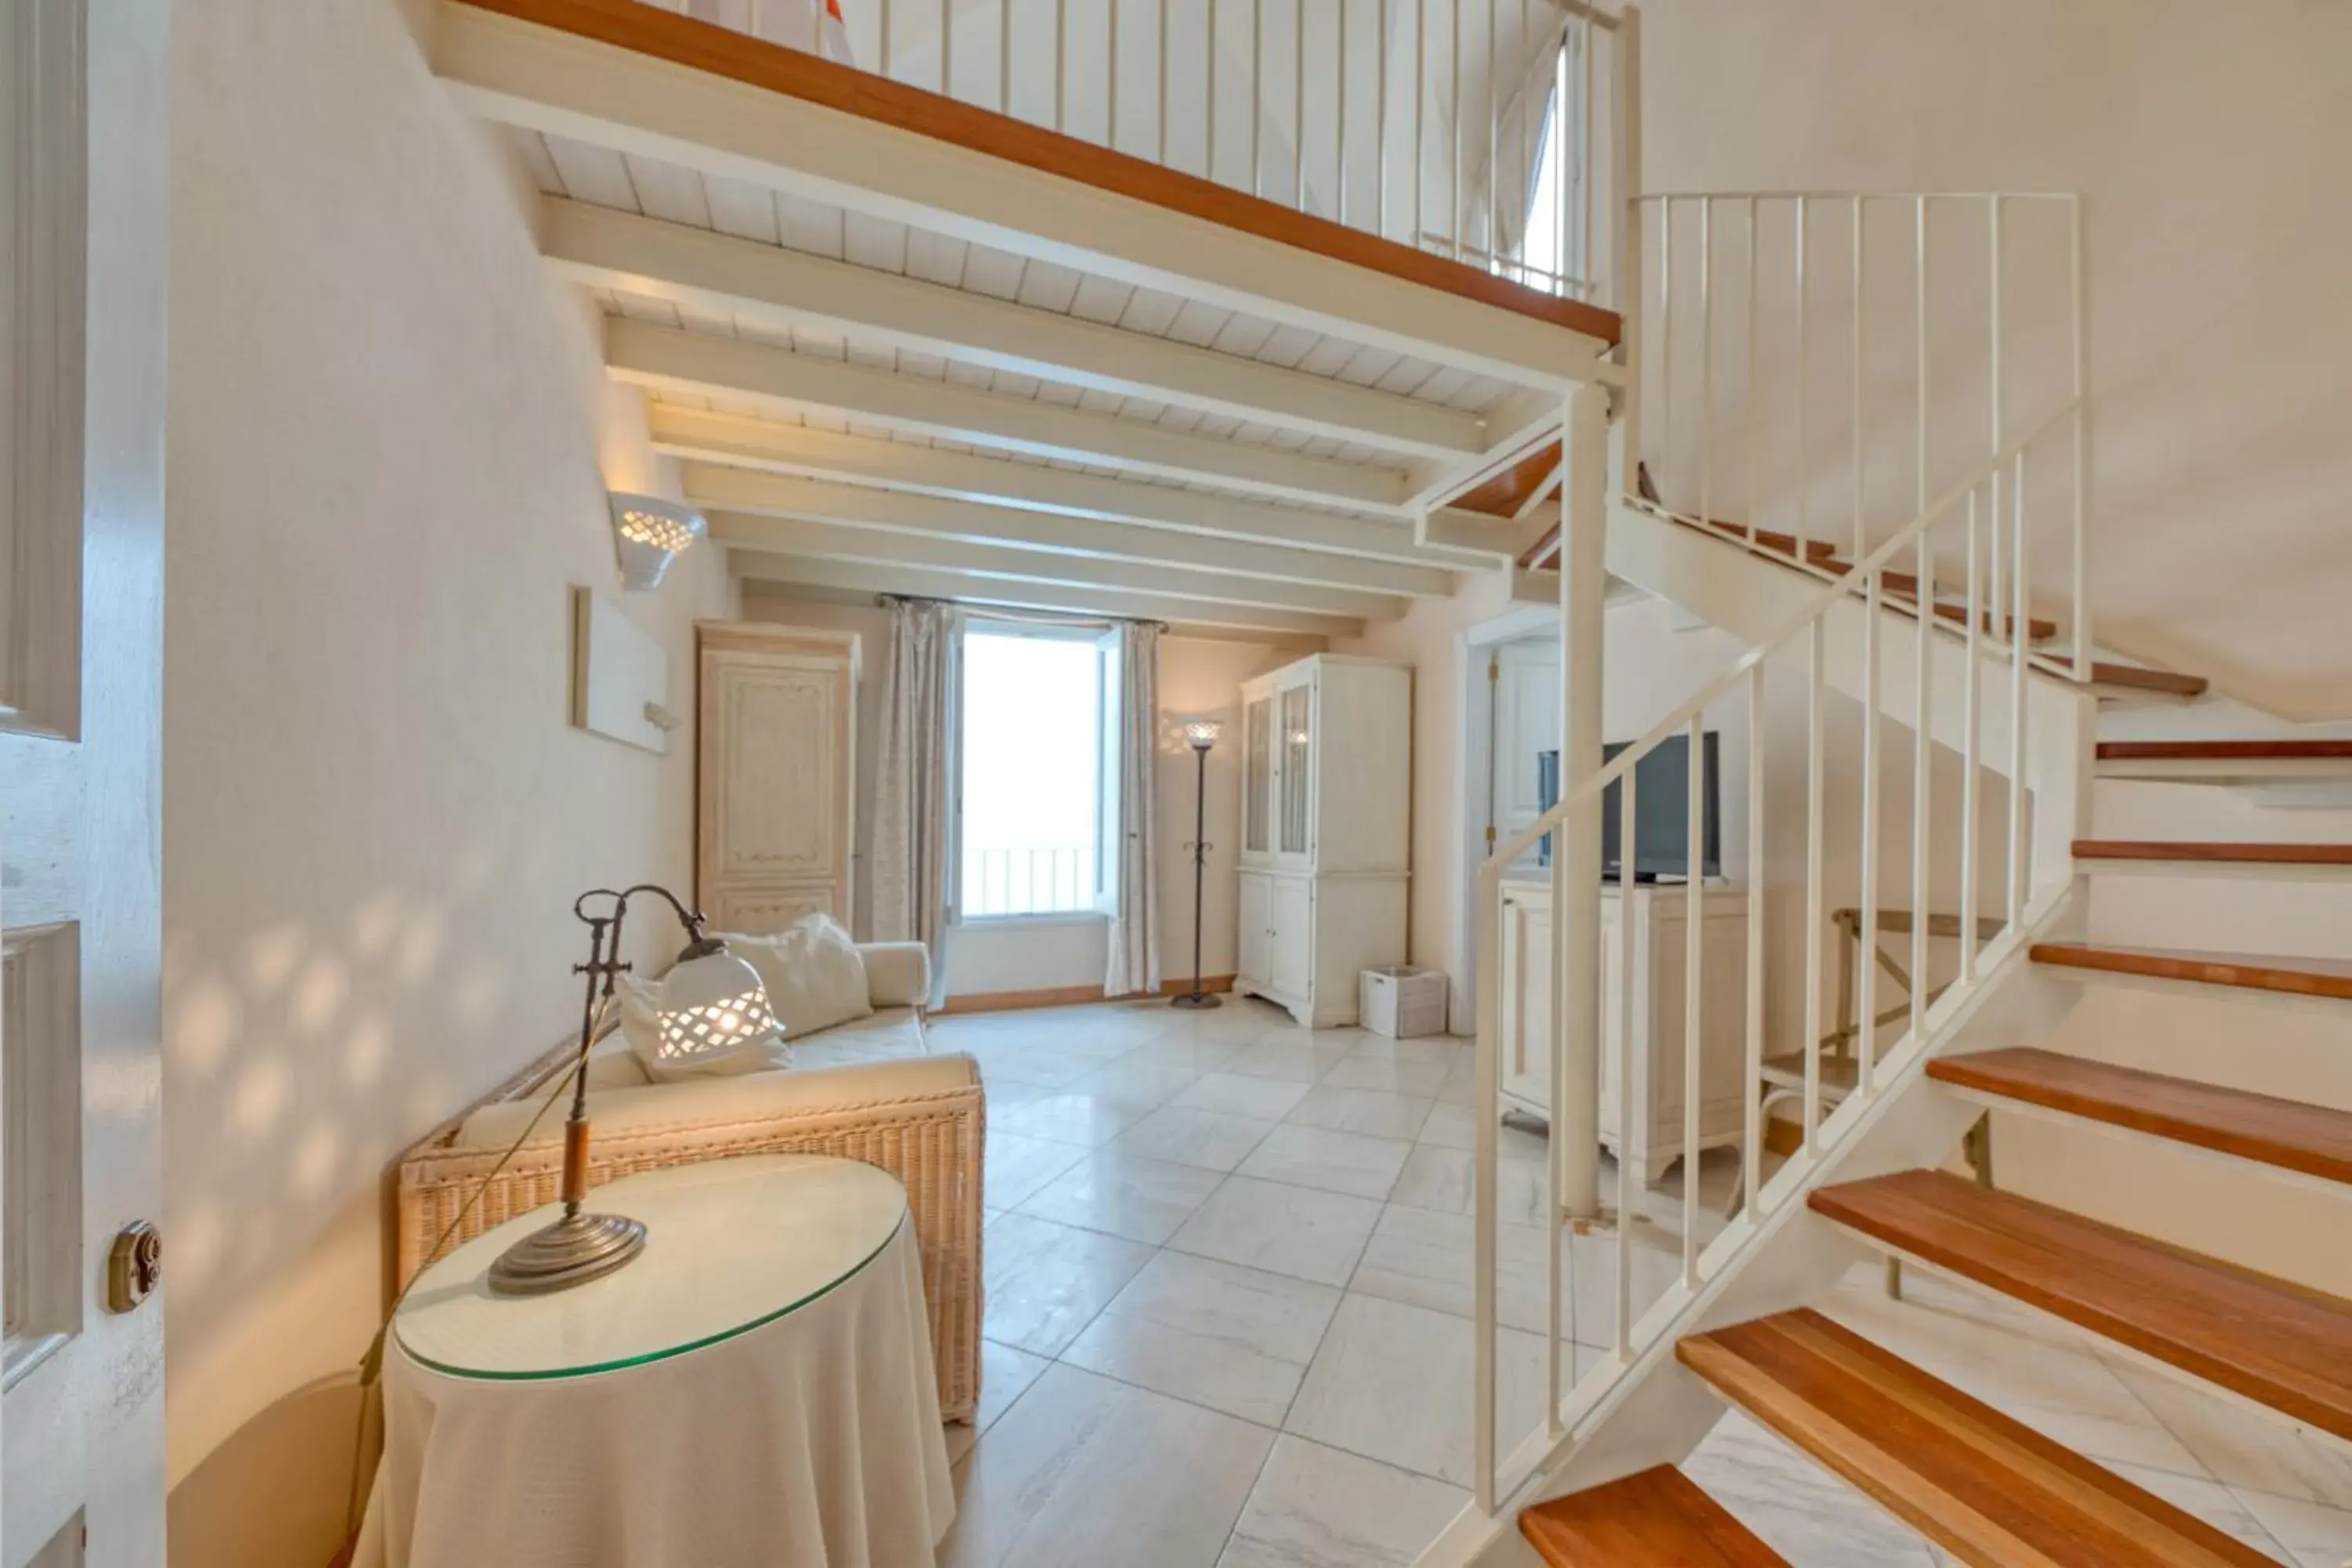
<point x="814" y="974"/>
<point x="641" y="1026"/>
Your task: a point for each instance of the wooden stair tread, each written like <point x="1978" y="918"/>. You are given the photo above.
<point x="2246" y="970"/>
<point x="2312" y="1139"/>
<point x="1658" y="1519"/>
<point x="2224" y="751"/>
<point x="2216" y="854"/>
<point x="2139" y="678"/>
<point x="1816" y="550"/>
<point x="2274" y="1343"/>
<point x="1986" y="1489"/>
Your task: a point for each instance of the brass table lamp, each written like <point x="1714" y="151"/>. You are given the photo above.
<point x="711" y="1002"/>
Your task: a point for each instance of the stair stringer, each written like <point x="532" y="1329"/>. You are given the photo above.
<point x="1754" y="599"/>
<point x="1658" y="1412"/>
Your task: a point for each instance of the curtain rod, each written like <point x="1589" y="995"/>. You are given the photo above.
<point x="1013" y="612"/>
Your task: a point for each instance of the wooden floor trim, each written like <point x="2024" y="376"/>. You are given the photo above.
<point x="2270" y="1341"/>
<point x="2313" y="1140"/>
<point x="1657" y="1519"/>
<point x="2214" y="854"/>
<point x="2224" y="751"/>
<point x="1985" y="1487"/>
<point x="2242" y="971"/>
<point x="1072" y="995"/>
<point x="738" y="56"/>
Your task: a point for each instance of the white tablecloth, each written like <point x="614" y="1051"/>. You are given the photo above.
<point x="812" y="1441"/>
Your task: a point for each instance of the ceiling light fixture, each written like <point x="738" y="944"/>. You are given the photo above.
<point x="648" y="533"/>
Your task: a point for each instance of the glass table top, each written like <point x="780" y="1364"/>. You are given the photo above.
<point x="730" y="1245"/>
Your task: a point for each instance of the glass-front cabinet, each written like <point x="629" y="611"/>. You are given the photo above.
<point x="1278" y="755"/>
<point x="1257" y="774"/>
<point x="1326" y="850"/>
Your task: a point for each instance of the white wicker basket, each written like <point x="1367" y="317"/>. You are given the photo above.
<point x="1402" y="1001"/>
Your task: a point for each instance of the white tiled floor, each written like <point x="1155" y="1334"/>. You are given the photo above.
<point x="1228" y="1321"/>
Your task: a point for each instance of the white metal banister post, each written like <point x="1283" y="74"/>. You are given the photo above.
<point x="1575" y="845"/>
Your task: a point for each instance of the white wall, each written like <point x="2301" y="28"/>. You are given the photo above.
<point x="389" y="442"/>
<point x="2211" y="149"/>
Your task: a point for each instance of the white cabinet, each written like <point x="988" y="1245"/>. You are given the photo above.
<point x="778" y="737"/>
<point x="1326" y="831"/>
<point x="1655" y="921"/>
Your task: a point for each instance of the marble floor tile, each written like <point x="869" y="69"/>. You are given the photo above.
<point x="1371" y="1111"/>
<point x="1442" y="1179"/>
<point x="1290" y="1061"/>
<point x="1356" y="1070"/>
<point x="1393" y="1383"/>
<point x="1124" y="1195"/>
<point x="1235" y="1339"/>
<point x="1423" y="1258"/>
<point x="1070" y="1116"/>
<point x="1018" y="1166"/>
<point x="1319" y="1508"/>
<point x="1332" y="1161"/>
<point x="1800" y="1509"/>
<point x="1297" y="1231"/>
<point x="1086" y="1471"/>
<point x="1005" y="1375"/>
<point x="2238" y="1447"/>
<point x="1208" y="1138"/>
<point x="1461" y="1083"/>
<point x="2312" y="1536"/>
<point x="1238" y="1094"/>
<point x="1190" y="1053"/>
<point x="1137" y="1078"/>
<point x="1046" y="1281"/>
<point x="1024" y="1061"/>
<point x="1441" y="1049"/>
<point x="1450" y="1127"/>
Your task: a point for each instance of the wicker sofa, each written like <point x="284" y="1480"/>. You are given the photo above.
<point x="867" y="1090"/>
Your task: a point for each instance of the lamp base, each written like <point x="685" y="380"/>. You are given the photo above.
<point x="572" y="1251"/>
<point x="1200" y="1000"/>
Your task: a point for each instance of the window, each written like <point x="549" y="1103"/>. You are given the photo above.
<point x="1040" y="792"/>
<point x="1553" y="247"/>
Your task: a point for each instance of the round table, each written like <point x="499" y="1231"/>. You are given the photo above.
<point x="755" y="1389"/>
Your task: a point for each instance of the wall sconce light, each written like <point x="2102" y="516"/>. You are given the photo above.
<point x="648" y="533"/>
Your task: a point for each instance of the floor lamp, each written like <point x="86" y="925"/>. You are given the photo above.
<point x="1202" y="734"/>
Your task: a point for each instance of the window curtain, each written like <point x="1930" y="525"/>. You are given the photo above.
<point x="914" y="816"/>
<point x="1135" y="928"/>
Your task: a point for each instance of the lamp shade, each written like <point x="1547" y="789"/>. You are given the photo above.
<point x="648" y="533"/>
<point x="710" y="1004"/>
<point x="1201" y="734"/>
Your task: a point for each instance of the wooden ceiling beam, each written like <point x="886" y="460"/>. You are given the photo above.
<point x="699" y="364"/>
<point x="716" y="487"/>
<point x="781" y="288"/>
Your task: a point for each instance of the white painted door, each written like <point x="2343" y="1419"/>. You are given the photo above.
<point x="1294" y="936"/>
<point x="1525" y="688"/>
<point x="778" y="775"/>
<point x="82" y="274"/>
<point x="1257" y="917"/>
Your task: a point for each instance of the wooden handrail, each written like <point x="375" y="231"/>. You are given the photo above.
<point x="775" y="67"/>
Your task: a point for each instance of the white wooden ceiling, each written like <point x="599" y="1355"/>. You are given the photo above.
<point x="1273" y="520"/>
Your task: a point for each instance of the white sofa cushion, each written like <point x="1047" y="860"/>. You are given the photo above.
<point x="697" y="1103"/>
<point x="814" y="974"/>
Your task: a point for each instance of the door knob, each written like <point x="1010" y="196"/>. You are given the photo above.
<point x="134" y="1265"/>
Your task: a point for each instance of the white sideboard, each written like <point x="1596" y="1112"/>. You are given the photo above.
<point x="1655" y="921"/>
<point x="1327" y="756"/>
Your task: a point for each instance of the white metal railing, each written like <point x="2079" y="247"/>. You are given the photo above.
<point x="1041" y="880"/>
<point x="1961" y="835"/>
<point x="1424" y="121"/>
<point x="1816" y="364"/>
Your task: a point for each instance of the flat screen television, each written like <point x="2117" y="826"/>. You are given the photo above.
<point x="1661" y="815"/>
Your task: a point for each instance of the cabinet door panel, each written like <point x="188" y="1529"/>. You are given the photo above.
<point x="1257" y="776"/>
<point x="759" y="912"/>
<point x="779" y="784"/>
<point x="1256" y="918"/>
<point x="1294" y="937"/>
<point x="1527" y="1001"/>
